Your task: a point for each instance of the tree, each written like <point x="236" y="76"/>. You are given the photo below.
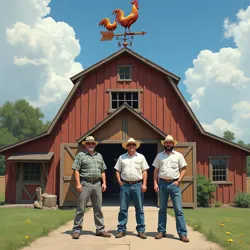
<point x="21" y="119"/>
<point x="18" y="121"/>
<point x="229" y="136"/>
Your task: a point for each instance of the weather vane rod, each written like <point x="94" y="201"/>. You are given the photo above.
<point x="125" y="38"/>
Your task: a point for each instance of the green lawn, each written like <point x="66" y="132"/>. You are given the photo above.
<point x="221" y="224"/>
<point x="20" y="226"/>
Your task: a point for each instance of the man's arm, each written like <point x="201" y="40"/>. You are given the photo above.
<point x="156" y="187"/>
<point x="77" y="179"/>
<point x="118" y="177"/>
<point x="144" y="181"/>
<point x="104" y="184"/>
<point x="183" y="172"/>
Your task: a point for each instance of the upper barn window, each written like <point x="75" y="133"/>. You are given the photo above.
<point x="119" y="96"/>
<point x="124" y="72"/>
<point x="218" y="168"/>
<point x="31" y="172"/>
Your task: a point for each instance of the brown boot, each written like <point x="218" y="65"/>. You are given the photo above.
<point x="142" y="235"/>
<point x="159" y="235"/>
<point x="184" y="238"/>
<point x="120" y="235"/>
<point x="103" y="234"/>
<point x="75" y="235"/>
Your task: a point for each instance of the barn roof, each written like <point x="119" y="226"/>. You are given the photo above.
<point x="130" y="52"/>
<point x="170" y="78"/>
<point x="31" y="157"/>
<point x="124" y="106"/>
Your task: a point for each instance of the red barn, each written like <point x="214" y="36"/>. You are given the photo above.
<point x="125" y="95"/>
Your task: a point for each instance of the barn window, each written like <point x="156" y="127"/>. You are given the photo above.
<point x="124" y="73"/>
<point x="121" y="96"/>
<point x="218" y="168"/>
<point x="31" y="172"/>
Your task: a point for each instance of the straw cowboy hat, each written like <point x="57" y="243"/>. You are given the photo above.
<point x="89" y="139"/>
<point x="131" y="140"/>
<point x="169" y="138"/>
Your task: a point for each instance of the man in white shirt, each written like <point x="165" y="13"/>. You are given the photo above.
<point x="131" y="173"/>
<point x="170" y="169"/>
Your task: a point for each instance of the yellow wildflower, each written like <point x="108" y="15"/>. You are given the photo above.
<point x="230" y="240"/>
<point x="222" y="224"/>
<point x="241" y="234"/>
<point x="227" y="233"/>
<point x="26" y="237"/>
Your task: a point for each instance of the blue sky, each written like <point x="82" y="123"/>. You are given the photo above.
<point x="177" y="30"/>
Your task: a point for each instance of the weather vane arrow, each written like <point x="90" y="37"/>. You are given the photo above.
<point x="124" y="21"/>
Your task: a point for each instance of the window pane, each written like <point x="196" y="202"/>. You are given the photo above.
<point x="128" y="96"/>
<point x="120" y="103"/>
<point x="124" y="73"/>
<point x="219" y="169"/>
<point x="114" y="96"/>
<point x="129" y="103"/>
<point x="114" y="105"/>
<point x="135" y="96"/>
<point x="31" y="171"/>
<point x="121" y="96"/>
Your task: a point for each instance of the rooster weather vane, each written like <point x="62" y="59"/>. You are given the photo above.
<point x="126" y="38"/>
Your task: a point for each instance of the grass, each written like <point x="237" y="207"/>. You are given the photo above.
<point x="221" y="225"/>
<point x="20" y="226"/>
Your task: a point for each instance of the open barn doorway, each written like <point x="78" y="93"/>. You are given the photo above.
<point x="111" y="153"/>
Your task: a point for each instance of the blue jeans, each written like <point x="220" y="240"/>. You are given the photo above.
<point x="166" y="189"/>
<point x="128" y="191"/>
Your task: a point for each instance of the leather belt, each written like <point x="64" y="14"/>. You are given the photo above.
<point x="131" y="182"/>
<point x="169" y="180"/>
<point x="89" y="180"/>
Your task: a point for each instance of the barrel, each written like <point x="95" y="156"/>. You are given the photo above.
<point x="49" y="200"/>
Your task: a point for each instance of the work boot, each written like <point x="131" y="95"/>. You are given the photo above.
<point x="184" y="238"/>
<point x="103" y="234"/>
<point x="142" y="235"/>
<point x="159" y="235"/>
<point x="120" y="235"/>
<point x="75" y="235"/>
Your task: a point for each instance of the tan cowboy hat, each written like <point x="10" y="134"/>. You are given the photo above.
<point x="89" y="139"/>
<point x="131" y="140"/>
<point x="169" y="138"/>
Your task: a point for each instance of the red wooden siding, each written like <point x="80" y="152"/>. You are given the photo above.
<point x="160" y="105"/>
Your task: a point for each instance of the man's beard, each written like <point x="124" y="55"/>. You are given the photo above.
<point x="168" y="148"/>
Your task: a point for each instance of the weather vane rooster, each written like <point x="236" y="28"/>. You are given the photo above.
<point x="124" y="21"/>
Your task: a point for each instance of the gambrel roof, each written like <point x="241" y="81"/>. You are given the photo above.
<point x="170" y="78"/>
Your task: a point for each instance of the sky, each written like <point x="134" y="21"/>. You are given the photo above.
<point x="45" y="42"/>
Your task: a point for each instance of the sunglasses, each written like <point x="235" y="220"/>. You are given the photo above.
<point x="90" y="143"/>
<point x="131" y="145"/>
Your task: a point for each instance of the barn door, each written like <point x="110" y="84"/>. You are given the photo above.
<point x="68" y="193"/>
<point x="188" y="185"/>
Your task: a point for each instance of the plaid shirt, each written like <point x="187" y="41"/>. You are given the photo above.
<point x="89" y="166"/>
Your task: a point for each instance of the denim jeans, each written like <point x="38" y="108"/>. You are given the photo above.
<point x="166" y="189"/>
<point x="128" y="191"/>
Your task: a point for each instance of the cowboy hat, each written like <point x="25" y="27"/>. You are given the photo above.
<point x="89" y="139"/>
<point x="131" y="140"/>
<point x="169" y="138"/>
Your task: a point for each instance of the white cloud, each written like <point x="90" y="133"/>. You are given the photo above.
<point x="219" y="82"/>
<point x="37" y="55"/>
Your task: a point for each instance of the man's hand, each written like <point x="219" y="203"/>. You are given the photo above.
<point x="144" y="188"/>
<point x="120" y="183"/>
<point x="104" y="187"/>
<point x="79" y="187"/>
<point x="156" y="188"/>
<point x="176" y="183"/>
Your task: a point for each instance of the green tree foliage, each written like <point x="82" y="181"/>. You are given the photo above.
<point x="18" y="121"/>
<point x="229" y="136"/>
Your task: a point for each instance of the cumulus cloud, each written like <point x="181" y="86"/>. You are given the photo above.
<point x="37" y="55"/>
<point x="219" y="82"/>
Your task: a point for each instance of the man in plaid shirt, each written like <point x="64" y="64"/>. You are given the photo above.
<point x="89" y="168"/>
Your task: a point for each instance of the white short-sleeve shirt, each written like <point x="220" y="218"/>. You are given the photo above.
<point x="131" y="167"/>
<point x="169" y="164"/>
